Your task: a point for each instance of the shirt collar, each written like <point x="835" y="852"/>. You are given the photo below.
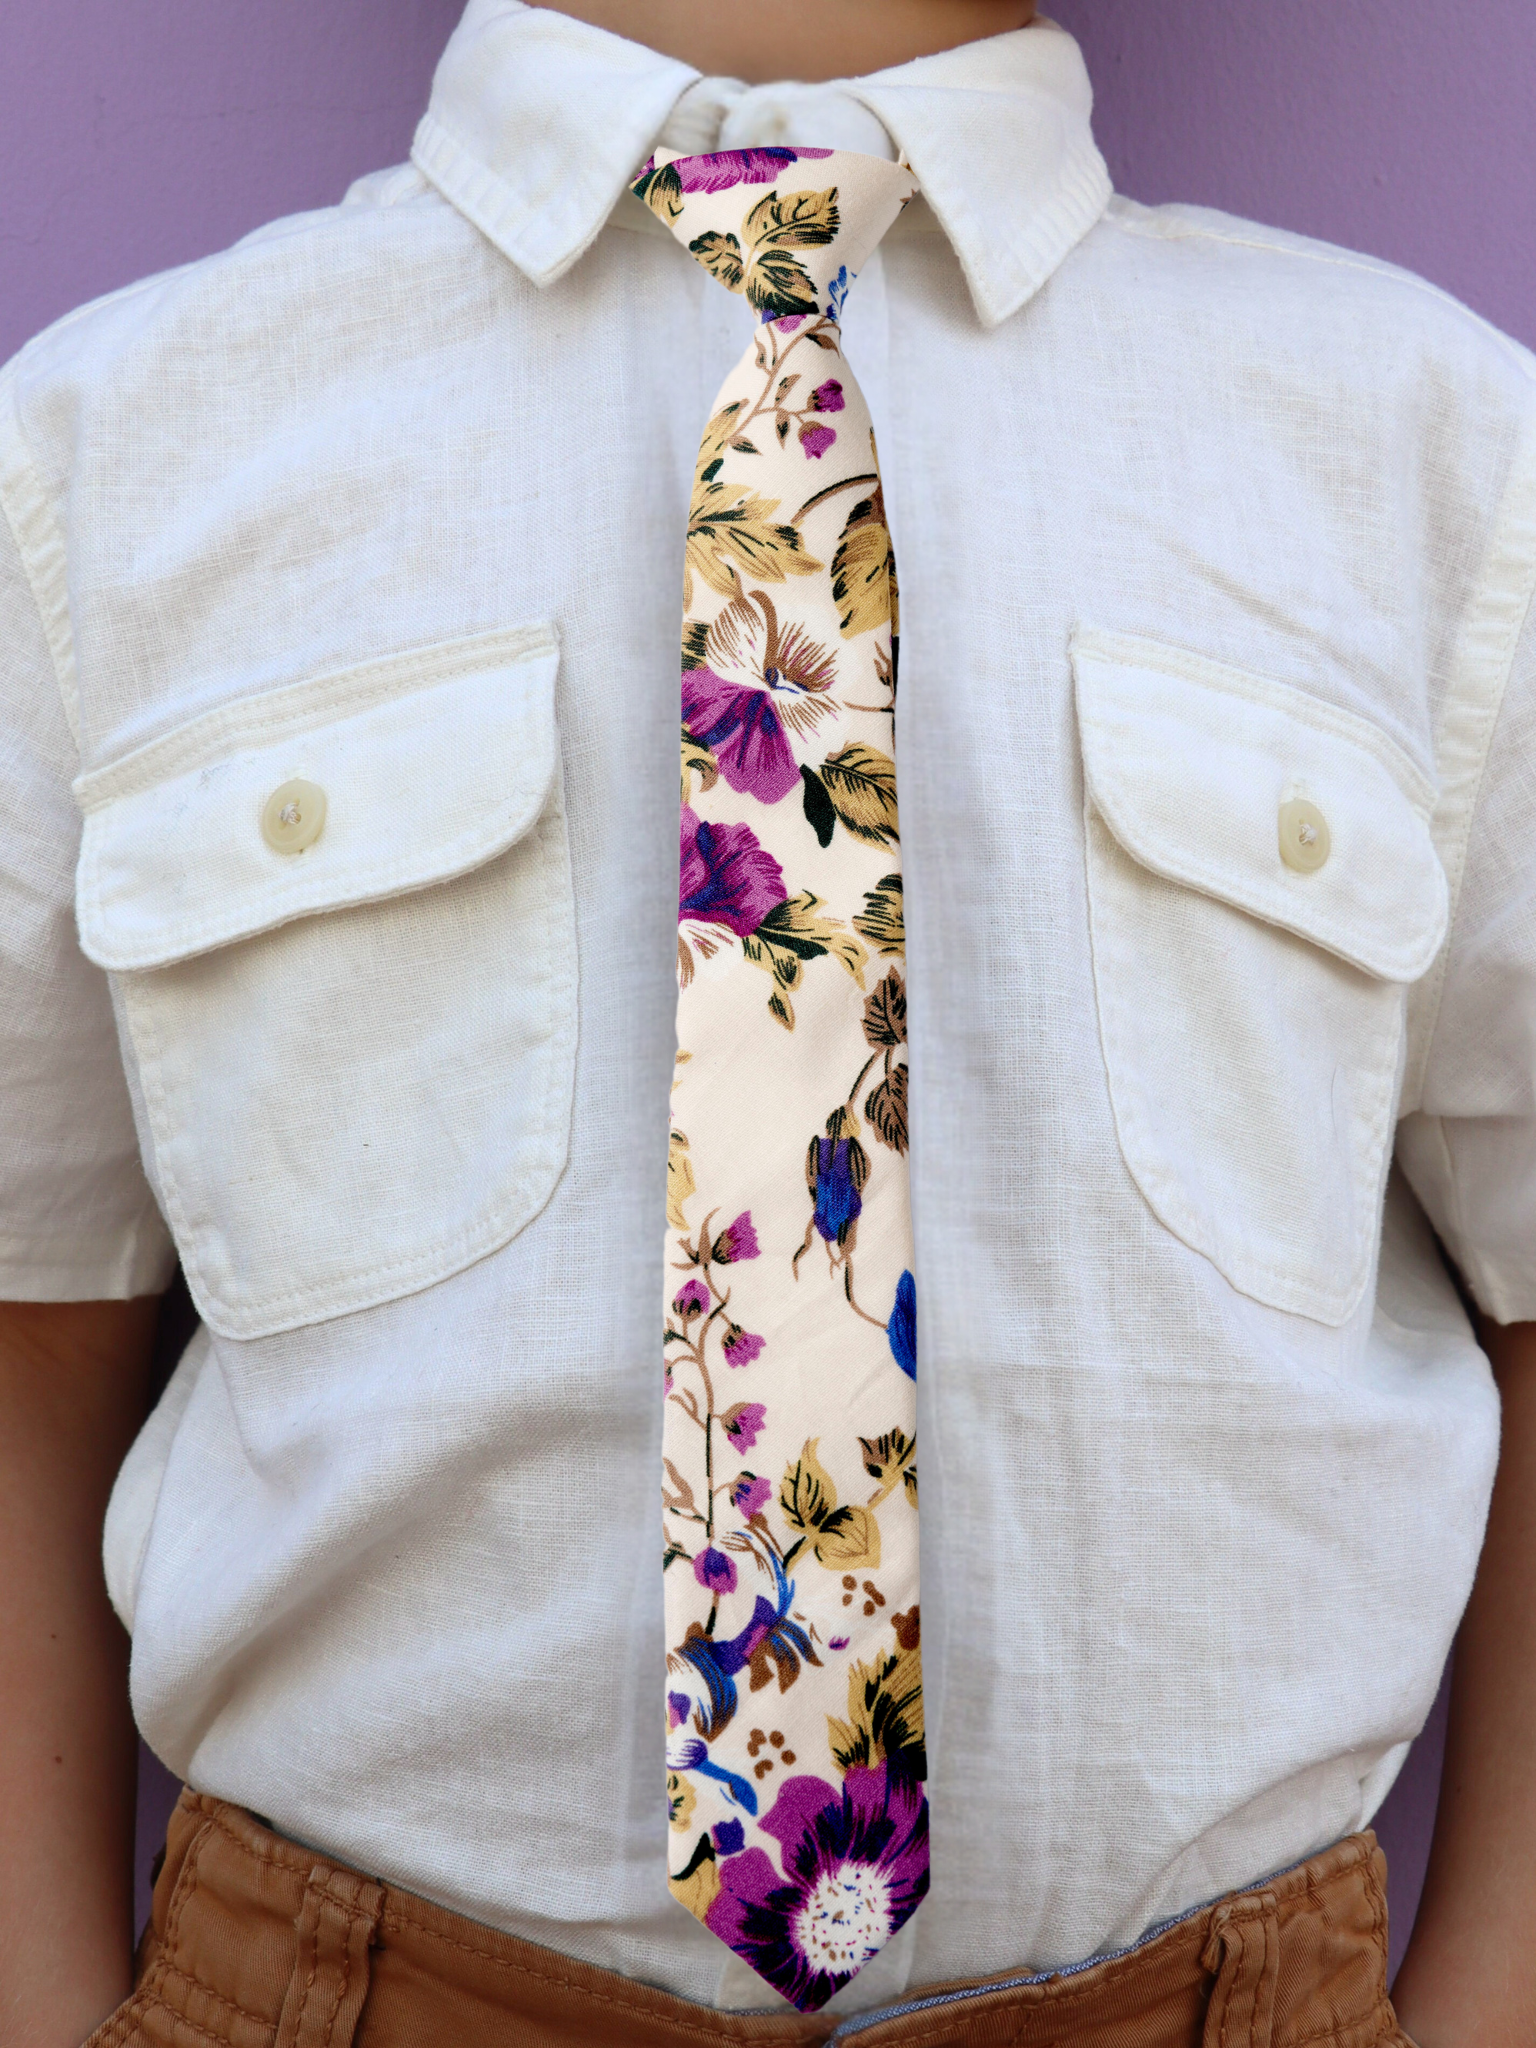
<point x="537" y="123"/>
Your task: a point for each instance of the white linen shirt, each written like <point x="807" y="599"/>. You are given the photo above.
<point x="1196" y="520"/>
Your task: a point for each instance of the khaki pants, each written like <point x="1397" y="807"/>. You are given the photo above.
<point x="257" y="1943"/>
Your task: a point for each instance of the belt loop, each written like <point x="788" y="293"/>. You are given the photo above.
<point x="336" y="1926"/>
<point x="1243" y="1954"/>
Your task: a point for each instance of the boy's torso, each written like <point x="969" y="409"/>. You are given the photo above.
<point x="1211" y="514"/>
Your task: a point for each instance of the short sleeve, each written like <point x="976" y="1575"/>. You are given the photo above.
<point x="1470" y="1151"/>
<point x="77" y="1219"/>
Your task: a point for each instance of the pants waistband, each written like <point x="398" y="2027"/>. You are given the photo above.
<point x="256" y="1942"/>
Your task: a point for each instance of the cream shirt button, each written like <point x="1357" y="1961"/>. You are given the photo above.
<point x="1305" y="841"/>
<point x="293" y="816"/>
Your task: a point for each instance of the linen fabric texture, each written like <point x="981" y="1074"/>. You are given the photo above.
<point x="787" y="1219"/>
<point x="1193" y="517"/>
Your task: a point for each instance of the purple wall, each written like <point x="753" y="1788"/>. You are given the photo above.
<point x="133" y="138"/>
<point x="1403" y="127"/>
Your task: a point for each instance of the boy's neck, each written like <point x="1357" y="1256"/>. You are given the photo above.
<point x="810" y="40"/>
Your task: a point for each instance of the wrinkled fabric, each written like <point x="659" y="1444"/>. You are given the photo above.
<point x="252" y="1932"/>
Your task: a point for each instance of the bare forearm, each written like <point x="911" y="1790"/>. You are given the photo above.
<point x="72" y="1381"/>
<point x="1469" y="1979"/>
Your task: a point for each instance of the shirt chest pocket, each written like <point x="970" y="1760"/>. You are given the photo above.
<point x="1262" y="889"/>
<point x="355" y="1047"/>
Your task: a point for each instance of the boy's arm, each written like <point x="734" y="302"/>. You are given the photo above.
<point x="73" y="1383"/>
<point x="1469" y="1977"/>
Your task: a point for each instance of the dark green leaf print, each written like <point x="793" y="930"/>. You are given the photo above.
<point x="886" y="1109"/>
<point x="882" y="920"/>
<point x="885" y="1013"/>
<point x="864" y="570"/>
<point x="819" y="814"/>
<point x="861" y="781"/>
<point x="778" y="286"/>
<point x="801" y="220"/>
<point x="721" y="256"/>
<point x="885" y="1715"/>
<point x="808" y="1495"/>
<point x="662" y="191"/>
<point x="887" y="1460"/>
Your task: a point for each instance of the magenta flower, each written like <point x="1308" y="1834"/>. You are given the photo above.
<point x="855" y="1869"/>
<point x="837" y="1642"/>
<point x="736" y="1242"/>
<point x="743" y="729"/>
<point x="715" y="1572"/>
<point x="750" y="1495"/>
<point x="745" y="1423"/>
<point x="691" y="1301"/>
<point x="816" y="440"/>
<point x="679" y="1707"/>
<point x="725" y="876"/>
<point x="741" y="1347"/>
<point x="723" y="168"/>
<point x="828" y="397"/>
<point x="788" y="322"/>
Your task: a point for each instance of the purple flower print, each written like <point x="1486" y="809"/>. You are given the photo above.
<point x="828" y="397"/>
<point x="691" y="1301"/>
<point x="855" y="1869"/>
<point x="750" y="1495"/>
<point x="743" y="729"/>
<point x="756" y="684"/>
<point x="723" y="168"/>
<point x="715" y="1572"/>
<point x="788" y="322"/>
<point x="736" y="1242"/>
<point x="745" y="1423"/>
<point x="816" y="440"/>
<point x="679" y="1706"/>
<point x="730" y="1837"/>
<point x="833" y="1643"/>
<point x="741" y="1347"/>
<point x="725" y="876"/>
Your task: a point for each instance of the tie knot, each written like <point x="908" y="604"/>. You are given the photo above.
<point x="788" y="228"/>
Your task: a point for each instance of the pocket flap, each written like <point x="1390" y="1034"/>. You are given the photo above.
<point x="1189" y="764"/>
<point x="432" y="762"/>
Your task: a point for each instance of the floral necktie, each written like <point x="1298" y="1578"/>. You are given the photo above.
<point x="795" y="1762"/>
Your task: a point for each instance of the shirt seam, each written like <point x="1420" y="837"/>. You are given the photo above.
<point x="39" y="548"/>
<point x="309" y="704"/>
<point x="1023" y="264"/>
<point x="473" y="189"/>
<point x="1474" y="699"/>
<point x="1289" y="700"/>
<point x="543" y="1159"/>
<point x="1337" y="259"/>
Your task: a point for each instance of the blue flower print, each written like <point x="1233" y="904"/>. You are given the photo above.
<point x="901" y="1330"/>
